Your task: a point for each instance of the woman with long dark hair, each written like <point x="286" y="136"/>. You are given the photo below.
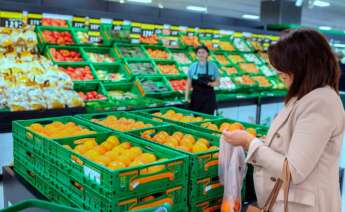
<point x="308" y="132"/>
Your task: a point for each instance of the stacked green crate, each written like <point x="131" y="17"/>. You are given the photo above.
<point x="130" y="52"/>
<point x="203" y="177"/>
<point x="154" y="86"/>
<point x="89" y="185"/>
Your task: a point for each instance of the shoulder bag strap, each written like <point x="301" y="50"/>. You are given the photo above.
<point x="286" y="174"/>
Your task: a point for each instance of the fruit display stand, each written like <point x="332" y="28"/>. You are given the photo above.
<point x="74" y="175"/>
<point x="120" y="121"/>
<point x="158" y="52"/>
<point x="91" y="91"/>
<point x="181" y="56"/>
<point x="79" y="72"/>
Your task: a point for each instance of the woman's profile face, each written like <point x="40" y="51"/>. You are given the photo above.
<point x="202" y="54"/>
<point x="287" y="78"/>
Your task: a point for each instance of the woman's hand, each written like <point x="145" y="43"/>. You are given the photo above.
<point x="238" y="138"/>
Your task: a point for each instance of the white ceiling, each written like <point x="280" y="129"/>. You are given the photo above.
<point x="333" y="16"/>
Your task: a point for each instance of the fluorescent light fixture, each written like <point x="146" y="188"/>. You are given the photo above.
<point x="252" y="17"/>
<point x="196" y="8"/>
<point x="141" y="1"/>
<point x="339" y="45"/>
<point x="299" y="3"/>
<point x="325" y="27"/>
<point x="321" y="3"/>
<point x="122" y="1"/>
<point x="160" y="5"/>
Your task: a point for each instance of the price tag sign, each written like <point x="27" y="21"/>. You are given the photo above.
<point x="94" y="37"/>
<point x="11" y="19"/>
<point x="94" y="24"/>
<point x="147" y="30"/>
<point x="34" y="19"/>
<point x="136" y="28"/>
<point x="79" y="22"/>
<point x="117" y="25"/>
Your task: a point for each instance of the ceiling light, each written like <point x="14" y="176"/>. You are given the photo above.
<point x="160" y="5"/>
<point x="141" y="1"/>
<point x="299" y="3"/>
<point x="321" y="3"/>
<point x="252" y="17"/>
<point x="196" y="8"/>
<point x="325" y="27"/>
<point x="122" y="1"/>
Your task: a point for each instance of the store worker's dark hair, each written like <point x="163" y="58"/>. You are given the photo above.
<point x="306" y="55"/>
<point x="202" y="47"/>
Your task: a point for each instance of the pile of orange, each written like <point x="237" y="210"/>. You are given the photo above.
<point x="121" y="124"/>
<point x="58" y="129"/>
<point x="158" y="54"/>
<point x="222" y="59"/>
<point x="263" y="81"/>
<point x="168" y="69"/>
<point x="115" y="154"/>
<point x="179" y="140"/>
<point x="173" y="115"/>
<point x="226" y="46"/>
<point x="190" y="40"/>
<point x="228" y="127"/>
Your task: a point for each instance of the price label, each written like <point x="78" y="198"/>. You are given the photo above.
<point x="136" y="30"/>
<point x="94" y="39"/>
<point x="78" y="24"/>
<point x="94" y="27"/>
<point x="208" y="35"/>
<point x="174" y="33"/>
<point x="92" y="174"/>
<point x="173" y="43"/>
<point x="216" y="36"/>
<point x="190" y="34"/>
<point x="117" y="27"/>
<point x="147" y="33"/>
<point x="34" y="22"/>
<point x="215" y="45"/>
<point x="12" y="23"/>
<point x="158" y="31"/>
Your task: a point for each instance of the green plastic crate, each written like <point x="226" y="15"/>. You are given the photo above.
<point x="236" y="58"/>
<point x="207" y="205"/>
<point x="252" y="58"/>
<point x="41" y="40"/>
<point x="130" y="101"/>
<point x="164" y="62"/>
<point x="125" y="182"/>
<point x="238" y="80"/>
<point x="132" y="66"/>
<point x="175" y="54"/>
<point x="111" y="69"/>
<point x="91" y="86"/>
<point x="242" y="45"/>
<point x="255" y="70"/>
<point x="150" y="113"/>
<point x="202" y="164"/>
<point x="205" y="188"/>
<point x="38" y="142"/>
<point x="224" y="70"/>
<point x="261" y="87"/>
<point x="119" y="115"/>
<point x="120" y="48"/>
<point x="100" y="50"/>
<point x="81" y="64"/>
<point x="70" y="48"/>
<point x="220" y="63"/>
<point x="158" y="48"/>
<point x="85" y="197"/>
<point x="162" y="86"/>
<point x="260" y="130"/>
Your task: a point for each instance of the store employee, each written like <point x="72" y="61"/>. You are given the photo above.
<point x="203" y="76"/>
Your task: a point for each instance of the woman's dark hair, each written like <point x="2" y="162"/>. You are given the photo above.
<point x="202" y="47"/>
<point x="306" y="55"/>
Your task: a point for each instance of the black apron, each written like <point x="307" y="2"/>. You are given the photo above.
<point x="203" y="97"/>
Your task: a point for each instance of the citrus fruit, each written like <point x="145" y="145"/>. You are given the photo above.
<point x="116" y="165"/>
<point x="204" y="141"/>
<point x="200" y="147"/>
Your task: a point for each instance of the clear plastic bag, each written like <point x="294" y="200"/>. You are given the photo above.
<point x="231" y="170"/>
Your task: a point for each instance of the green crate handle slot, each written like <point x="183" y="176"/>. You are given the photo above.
<point x="165" y="201"/>
<point x="149" y="179"/>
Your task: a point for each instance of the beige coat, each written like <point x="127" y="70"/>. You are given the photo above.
<point x="309" y="132"/>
